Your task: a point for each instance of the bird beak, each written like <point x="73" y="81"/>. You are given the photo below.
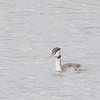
<point x="51" y="56"/>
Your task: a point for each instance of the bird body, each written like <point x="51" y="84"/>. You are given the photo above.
<point x="72" y="66"/>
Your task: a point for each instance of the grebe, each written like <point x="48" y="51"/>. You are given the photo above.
<point x="72" y="66"/>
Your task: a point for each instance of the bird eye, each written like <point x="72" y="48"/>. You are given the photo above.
<point x="54" y="53"/>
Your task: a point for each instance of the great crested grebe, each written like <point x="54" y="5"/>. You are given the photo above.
<point x="72" y="66"/>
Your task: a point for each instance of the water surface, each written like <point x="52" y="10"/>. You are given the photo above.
<point x="29" y="30"/>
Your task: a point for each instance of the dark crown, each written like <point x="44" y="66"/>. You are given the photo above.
<point x="55" y="50"/>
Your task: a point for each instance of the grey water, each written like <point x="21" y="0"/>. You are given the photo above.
<point x="29" y="30"/>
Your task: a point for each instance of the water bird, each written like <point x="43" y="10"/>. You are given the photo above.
<point x="69" y="66"/>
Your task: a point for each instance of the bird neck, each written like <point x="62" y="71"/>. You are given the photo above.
<point x="58" y="64"/>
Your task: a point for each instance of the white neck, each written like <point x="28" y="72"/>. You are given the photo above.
<point x="58" y="64"/>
